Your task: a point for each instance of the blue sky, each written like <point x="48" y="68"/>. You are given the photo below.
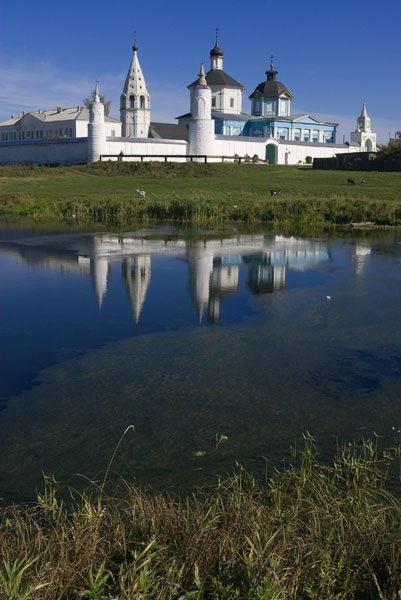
<point x="331" y="55"/>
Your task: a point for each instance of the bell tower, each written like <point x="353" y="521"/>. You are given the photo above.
<point x="363" y="134"/>
<point x="135" y="101"/>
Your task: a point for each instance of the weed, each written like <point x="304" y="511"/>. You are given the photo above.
<point x="308" y="531"/>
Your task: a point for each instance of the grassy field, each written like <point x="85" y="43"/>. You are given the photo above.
<point x="308" y="532"/>
<point x="197" y="193"/>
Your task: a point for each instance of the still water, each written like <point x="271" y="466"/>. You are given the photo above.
<point x="191" y="336"/>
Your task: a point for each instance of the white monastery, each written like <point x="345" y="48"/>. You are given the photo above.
<point x="215" y="128"/>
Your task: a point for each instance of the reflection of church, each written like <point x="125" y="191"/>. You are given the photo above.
<point x="136" y="275"/>
<point x="214" y="266"/>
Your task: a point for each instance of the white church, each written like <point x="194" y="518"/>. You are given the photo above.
<point x="215" y="129"/>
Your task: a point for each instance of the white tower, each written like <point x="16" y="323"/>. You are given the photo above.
<point x="201" y="125"/>
<point x="363" y="134"/>
<point x="135" y="101"/>
<point x="96" y="128"/>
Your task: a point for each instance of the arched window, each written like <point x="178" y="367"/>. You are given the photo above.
<point x="142" y="101"/>
<point x="132" y="101"/>
<point x="201" y="107"/>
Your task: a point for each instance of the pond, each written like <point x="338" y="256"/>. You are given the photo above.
<point x="218" y="347"/>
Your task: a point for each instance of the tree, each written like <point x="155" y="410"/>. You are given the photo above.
<point x="88" y="101"/>
<point x="391" y="150"/>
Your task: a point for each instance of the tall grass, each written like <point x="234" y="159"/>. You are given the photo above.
<point x="198" y="193"/>
<point x="308" y="532"/>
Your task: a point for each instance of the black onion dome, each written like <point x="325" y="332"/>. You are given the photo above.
<point x="216" y="51"/>
<point x="270" y="87"/>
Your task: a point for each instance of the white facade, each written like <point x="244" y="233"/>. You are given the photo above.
<point x="53" y="124"/>
<point x="226" y="100"/>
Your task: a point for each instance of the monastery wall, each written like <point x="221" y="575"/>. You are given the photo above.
<point x="41" y="152"/>
<point x="285" y="153"/>
<point x="295" y="153"/>
<point x="229" y="146"/>
<point x="145" y="146"/>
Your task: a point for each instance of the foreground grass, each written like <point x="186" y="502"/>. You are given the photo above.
<point x="197" y="193"/>
<point x="309" y="532"/>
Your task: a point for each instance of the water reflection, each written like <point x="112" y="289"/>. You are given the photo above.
<point x="362" y="251"/>
<point x="213" y="265"/>
<point x="136" y="275"/>
<point x="106" y="328"/>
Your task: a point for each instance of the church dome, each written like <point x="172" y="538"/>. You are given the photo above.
<point x="271" y="87"/>
<point x="216" y="51"/>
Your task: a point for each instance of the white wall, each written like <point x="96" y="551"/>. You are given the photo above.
<point x="147" y="147"/>
<point x="73" y="151"/>
<point x="229" y="147"/>
<point x="225" y="146"/>
<point x="68" y="151"/>
<point x="299" y="153"/>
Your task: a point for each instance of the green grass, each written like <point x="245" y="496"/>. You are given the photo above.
<point x="197" y="193"/>
<point x="308" y="532"/>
